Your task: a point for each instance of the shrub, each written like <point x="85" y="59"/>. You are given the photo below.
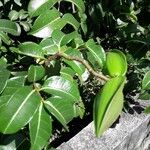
<point x="46" y="53"/>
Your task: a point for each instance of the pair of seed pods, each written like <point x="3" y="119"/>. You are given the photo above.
<point x="108" y="103"/>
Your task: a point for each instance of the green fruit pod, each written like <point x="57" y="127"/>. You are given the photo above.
<point x="108" y="104"/>
<point x="116" y="63"/>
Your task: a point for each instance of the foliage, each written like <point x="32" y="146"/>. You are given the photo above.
<point x="46" y="53"/>
<point x="145" y="94"/>
<point x="124" y="24"/>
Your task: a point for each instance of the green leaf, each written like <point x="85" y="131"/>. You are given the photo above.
<point x="61" y="39"/>
<point x="5" y="38"/>
<point x="18" y="2"/>
<point x="75" y="65"/>
<point x="97" y="52"/>
<point x="23" y="14"/>
<point x="25" y="25"/>
<point x="13" y="84"/>
<point x="69" y="37"/>
<point x="19" y="73"/>
<point x="146" y="81"/>
<point x="62" y="87"/>
<point x="40" y="128"/>
<point x="78" y="42"/>
<point x="147" y="110"/>
<point x="79" y="109"/>
<point x="93" y="61"/>
<point x="19" y="110"/>
<point x="83" y="22"/>
<point x="49" y="47"/>
<point x="4" y="99"/>
<point x="36" y="7"/>
<point x="4" y="75"/>
<point x="67" y="73"/>
<point x="108" y="104"/>
<point x="3" y="62"/>
<point x="145" y="95"/>
<point x="57" y="37"/>
<point x="46" y="23"/>
<point x="9" y="27"/>
<point x="13" y="15"/>
<point x="30" y="49"/>
<point x="61" y="108"/>
<point x="69" y="18"/>
<point x="35" y="73"/>
<point x="116" y="63"/>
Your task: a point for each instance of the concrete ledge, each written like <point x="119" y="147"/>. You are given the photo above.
<point x="131" y="133"/>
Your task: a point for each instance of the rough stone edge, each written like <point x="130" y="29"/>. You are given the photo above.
<point x="131" y="133"/>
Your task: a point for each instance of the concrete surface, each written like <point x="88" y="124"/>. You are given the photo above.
<point x="131" y="133"/>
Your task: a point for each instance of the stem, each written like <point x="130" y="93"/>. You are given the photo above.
<point x="73" y="8"/>
<point x="82" y="61"/>
<point x="37" y="90"/>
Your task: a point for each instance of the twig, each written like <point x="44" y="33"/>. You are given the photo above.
<point x="82" y="61"/>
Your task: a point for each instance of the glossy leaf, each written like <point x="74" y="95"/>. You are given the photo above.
<point x="9" y="27"/>
<point x="75" y="65"/>
<point x="46" y="23"/>
<point x="78" y="42"/>
<point x="19" y="110"/>
<point x="13" y="84"/>
<point x="69" y="18"/>
<point x="40" y="128"/>
<point x="93" y="61"/>
<point x="3" y="62"/>
<point x="97" y="52"/>
<point x="30" y="49"/>
<point x="18" y="2"/>
<point x="62" y="39"/>
<point x="25" y="25"/>
<point x="57" y="37"/>
<point x="37" y="7"/>
<point x="5" y="38"/>
<point x="23" y="14"/>
<point x="61" y="108"/>
<point x="62" y="87"/>
<point x="146" y="81"/>
<point x="116" y="63"/>
<point x="108" y="104"/>
<point x="4" y="99"/>
<point x="4" y="75"/>
<point x="13" y="15"/>
<point x="69" y="37"/>
<point x="35" y="73"/>
<point x="67" y="73"/>
<point x="49" y="47"/>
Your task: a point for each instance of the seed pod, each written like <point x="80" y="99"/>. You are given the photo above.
<point x="108" y="104"/>
<point x="116" y="63"/>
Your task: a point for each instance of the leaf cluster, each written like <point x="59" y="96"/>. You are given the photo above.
<point x="46" y="53"/>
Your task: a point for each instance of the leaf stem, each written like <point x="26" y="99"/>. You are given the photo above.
<point x="38" y="91"/>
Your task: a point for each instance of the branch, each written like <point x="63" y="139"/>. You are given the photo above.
<point x="85" y="63"/>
